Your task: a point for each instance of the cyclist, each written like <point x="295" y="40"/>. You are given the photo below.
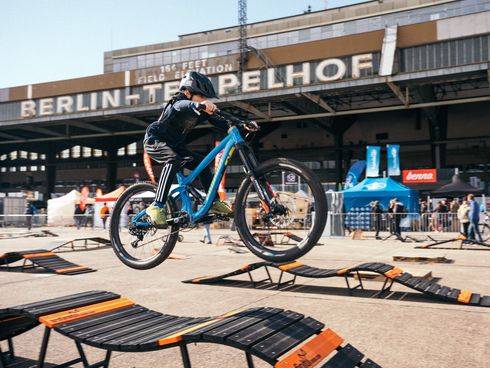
<point x="165" y="140"/>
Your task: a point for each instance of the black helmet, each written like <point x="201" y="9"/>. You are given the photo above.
<point x="197" y="83"/>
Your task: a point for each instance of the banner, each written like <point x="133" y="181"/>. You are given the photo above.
<point x="221" y="187"/>
<point x="393" y="159"/>
<point x="420" y="176"/>
<point x="354" y="174"/>
<point x="372" y="161"/>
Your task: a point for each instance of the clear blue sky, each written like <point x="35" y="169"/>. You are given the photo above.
<point x="48" y="40"/>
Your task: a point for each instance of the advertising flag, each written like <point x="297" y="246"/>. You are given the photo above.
<point x="372" y="161"/>
<point x="393" y="159"/>
<point x="354" y="174"/>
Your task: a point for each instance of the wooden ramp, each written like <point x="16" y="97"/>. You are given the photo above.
<point x="391" y="274"/>
<point x="282" y="338"/>
<point x="40" y="258"/>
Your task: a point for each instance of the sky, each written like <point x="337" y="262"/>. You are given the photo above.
<point x="49" y="40"/>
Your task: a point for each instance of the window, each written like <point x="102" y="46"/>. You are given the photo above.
<point x="3" y="169"/>
<point x="12" y="169"/>
<point x="97" y="153"/>
<point x="33" y="156"/>
<point x="121" y="151"/>
<point x="65" y="153"/>
<point x="43" y="168"/>
<point x="3" y="157"/>
<point x="86" y="152"/>
<point x="23" y="168"/>
<point x="131" y="149"/>
<point x="13" y="155"/>
<point x="23" y="154"/>
<point x="75" y="151"/>
<point x="42" y="156"/>
<point x="33" y="168"/>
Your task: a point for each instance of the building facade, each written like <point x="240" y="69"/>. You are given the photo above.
<point x="323" y="85"/>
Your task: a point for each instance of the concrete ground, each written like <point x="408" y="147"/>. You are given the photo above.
<point x="405" y="329"/>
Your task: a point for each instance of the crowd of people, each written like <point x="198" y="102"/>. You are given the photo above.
<point x="454" y="215"/>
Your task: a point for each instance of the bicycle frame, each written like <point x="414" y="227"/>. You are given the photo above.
<point x="227" y="145"/>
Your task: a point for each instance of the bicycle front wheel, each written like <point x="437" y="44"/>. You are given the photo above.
<point x="138" y="244"/>
<point x="294" y="223"/>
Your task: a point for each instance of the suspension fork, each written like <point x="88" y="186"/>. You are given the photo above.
<point x="264" y="190"/>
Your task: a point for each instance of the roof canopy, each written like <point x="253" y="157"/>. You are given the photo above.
<point x="382" y="190"/>
<point x="457" y="188"/>
<point x="111" y="196"/>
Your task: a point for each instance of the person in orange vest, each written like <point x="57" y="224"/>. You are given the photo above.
<point x="104" y="213"/>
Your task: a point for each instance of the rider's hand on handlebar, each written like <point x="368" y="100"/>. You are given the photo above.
<point x="207" y="106"/>
<point x="251" y="126"/>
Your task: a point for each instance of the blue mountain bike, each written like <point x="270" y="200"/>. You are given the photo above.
<point x="280" y="208"/>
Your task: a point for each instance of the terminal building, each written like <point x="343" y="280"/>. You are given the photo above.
<point x="323" y="85"/>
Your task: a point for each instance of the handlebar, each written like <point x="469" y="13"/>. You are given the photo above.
<point x="230" y="119"/>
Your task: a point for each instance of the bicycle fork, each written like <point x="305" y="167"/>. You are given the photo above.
<point x="264" y="191"/>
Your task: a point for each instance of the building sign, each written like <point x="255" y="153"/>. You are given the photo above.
<point x="175" y="71"/>
<point x="153" y="90"/>
<point x="420" y="176"/>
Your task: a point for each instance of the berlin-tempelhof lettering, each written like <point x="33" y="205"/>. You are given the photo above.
<point x="325" y="71"/>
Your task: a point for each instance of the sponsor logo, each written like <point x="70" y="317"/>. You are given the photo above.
<point x="420" y="176"/>
<point x="375" y="186"/>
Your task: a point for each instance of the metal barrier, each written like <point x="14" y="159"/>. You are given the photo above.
<point x="408" y="222"/>
<point x="337" y="224"/>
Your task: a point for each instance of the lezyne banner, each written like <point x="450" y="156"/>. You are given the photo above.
<point x="354" y="174"/>
<point x="393" y="159"/>
<point x="372" y="161"/>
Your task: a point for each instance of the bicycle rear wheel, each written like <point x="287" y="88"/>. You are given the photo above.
<point x="293" y="224"/>
<point x="141" y="246"/>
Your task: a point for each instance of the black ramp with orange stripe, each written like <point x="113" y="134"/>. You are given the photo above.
<point x="282" y="338"/>
<point x="393" y="274"/>
<point x="44" y="259"/>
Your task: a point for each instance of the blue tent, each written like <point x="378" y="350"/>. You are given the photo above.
<point x="382" y="190"/>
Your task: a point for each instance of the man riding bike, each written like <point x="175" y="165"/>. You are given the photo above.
<point x="165" y="140"/>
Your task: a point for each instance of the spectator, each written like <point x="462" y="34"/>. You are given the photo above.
<point x="453" y="208"/>
<point x="29" y="212"/>
<point x="463" y="217"/>
<point x="104" y="213"/>
<point x="399" y="212"/>
<point x="206" y="234"/>
<point x="424" y="215"/>
<point x="89" y="215"/>
<point x="79" y="212"/>
<point x="392" y="216"/>
<point x="474" y="216"/>
<point x="377" y="213"/>
<point x="441" y="215"/>
<point x="130" y="213"/>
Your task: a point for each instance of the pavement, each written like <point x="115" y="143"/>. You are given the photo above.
<point x="402" y="329"/>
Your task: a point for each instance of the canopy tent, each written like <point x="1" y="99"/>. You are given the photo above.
<point x="61" y="210"/>
<point x="457" y="188"/>
<point x="382" y="190"/>
<point x="111" y="196"/>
